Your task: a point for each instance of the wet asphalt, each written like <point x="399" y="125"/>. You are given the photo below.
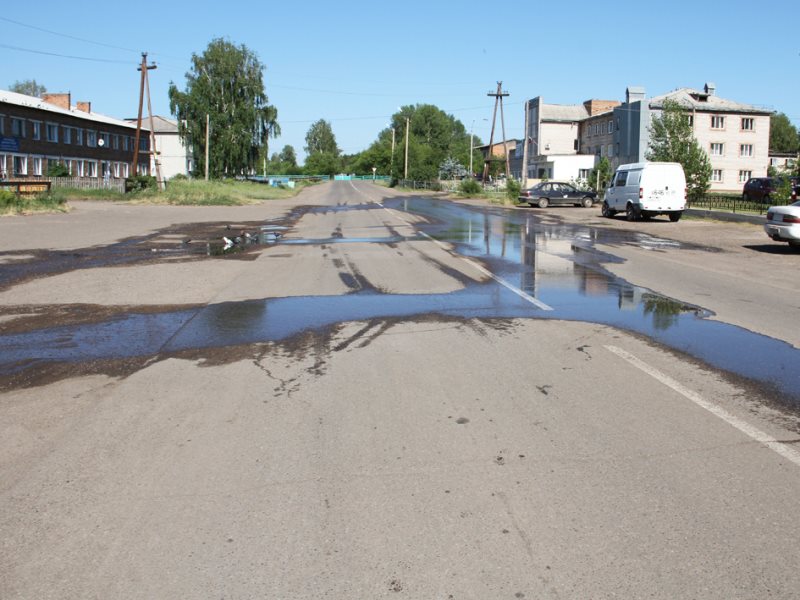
<point x="558" y="264"/>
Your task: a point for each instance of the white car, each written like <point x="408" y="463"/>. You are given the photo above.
<point x="783" y="224"/>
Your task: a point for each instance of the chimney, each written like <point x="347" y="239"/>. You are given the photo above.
<point x="634" y="94"/>
<point x="59" y="100"/>
<point x="84" y="106"/>
<point x="711" y="88"/>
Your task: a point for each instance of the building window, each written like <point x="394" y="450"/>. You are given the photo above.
<point x="748" y="124"/>
<point x="125" y="143"/>
<point x="690" y="120"/>
<point x="36" y="130"/>
<point x="2" y="125"/>
<point x="37" y="165"/>
<point x="610" y="126"/>
<point x="717" y="122"/>
<point x="717" y="149"/>
<point x="582" y="173"/>
<point x="115" y="141"/>
<point x="744" y="176"/>
<point x="116" y="170"/>
<point x="67" y="135"/>
<point x="610" y="152"/>
<point x="746" y="150"/>
<point x="89" y="168"/>
<point x="126" y="170"/>
<point x="79" y="136"/>
<point x="3" y="166"/>
<point x="716" y="175"/>
<point x="20" y="165"/>
<point x="143" y="144"/>
<point x="91" y="138"/>
<point x="17" y="127"/>
<point x="51" y="130"/>
<point x="106" y="137"/>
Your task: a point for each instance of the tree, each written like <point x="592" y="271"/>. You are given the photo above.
<point x="288" y="156"/>
<point x="323" y="163"/>
<point x="226" y="83"/>
<point x="600" y="175"/>
<point x="320" y="138"/>
<point x="29" y="87"/>
<point x="783" y="136"/>
<point x="672" y="140"/>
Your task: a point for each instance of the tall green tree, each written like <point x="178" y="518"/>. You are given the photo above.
<point x="226" y="83"/>
<point x="783" y="136"/>
<point x="288" y="156"/>
<point x="320" y="138"/>
<point x="672" y="140"/>
<point x="433" y="136"/>
<point x="29" y="87"/>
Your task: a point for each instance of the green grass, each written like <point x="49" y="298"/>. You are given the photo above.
<point x="188" y="192"/>
<point x="11" y="205"/>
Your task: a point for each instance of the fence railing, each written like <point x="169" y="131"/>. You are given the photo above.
<point x="87" y="183"/>
<point x="734" y="204"/>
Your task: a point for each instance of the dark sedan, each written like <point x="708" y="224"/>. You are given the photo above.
<point x="556" y="192"/>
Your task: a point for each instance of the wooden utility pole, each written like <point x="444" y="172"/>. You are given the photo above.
<point x="144" y="67"/>
<point x="405" y="173"/>
<point x="208" y="140"/>
<point x="525" y="151"/>
<point x="153" y="149"/>
<point x="498" y="99"/>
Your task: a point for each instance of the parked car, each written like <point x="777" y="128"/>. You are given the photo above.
<point x="763" y="189"/>
<point x="644" y="190"/>
<point x="556" y="192"/>
<point x="783" y="224"/>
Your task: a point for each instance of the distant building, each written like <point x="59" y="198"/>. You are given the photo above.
<point x="734" y="135"/>
<point x="38" y="132"/>
<point x="173" y="156"/>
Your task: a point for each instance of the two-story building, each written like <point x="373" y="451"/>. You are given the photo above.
<point x="174" y="158"/>
<point x="38" y="132"/>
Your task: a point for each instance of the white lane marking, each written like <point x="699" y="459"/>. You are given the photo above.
<point x="743" y="426"/>
<point x="525" y="296"/>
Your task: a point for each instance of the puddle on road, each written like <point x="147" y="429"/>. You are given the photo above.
<point x="556" y="263"/>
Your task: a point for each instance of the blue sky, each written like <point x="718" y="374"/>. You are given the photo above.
<point x="354" y="63"/>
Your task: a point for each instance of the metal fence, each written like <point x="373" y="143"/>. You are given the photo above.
<point x="734" y="204"/>
<point x="88" y="183"/>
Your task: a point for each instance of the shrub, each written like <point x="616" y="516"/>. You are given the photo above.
<point x="139" y="183"/>
<point x="7" y="198"/>
<point x="57" y="170"/>
<point x="469" y="187"/>
<point x="513" y="188"/>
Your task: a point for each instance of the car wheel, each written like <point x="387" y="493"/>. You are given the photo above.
<point x="630" y="213"/>
<point x="543" y="202"/>
<point x="587" y="202"/>
<point x="606" y="211"/>
<point x="675" y="216"/>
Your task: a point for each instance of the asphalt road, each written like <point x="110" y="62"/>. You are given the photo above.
<point x="365" y="409"/>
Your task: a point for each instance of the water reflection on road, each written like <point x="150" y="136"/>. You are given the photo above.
<point x="556" y="263"/>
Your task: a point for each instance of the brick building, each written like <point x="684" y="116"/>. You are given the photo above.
<point x="37" y="132"/>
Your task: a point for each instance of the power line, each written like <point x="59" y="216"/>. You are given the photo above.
<point x="87" y="58"/>
<point x="64" y="35"/>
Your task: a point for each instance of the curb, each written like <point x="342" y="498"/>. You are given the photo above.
<point x="725" y="216"/>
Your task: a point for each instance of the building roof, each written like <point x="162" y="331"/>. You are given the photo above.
<point x="160" y="124"/>
<point x="702" y="100"/>
<point x="39" y="104"/>
<point x="567" y="113"/>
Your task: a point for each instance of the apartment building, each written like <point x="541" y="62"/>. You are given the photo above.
<point x="734" y="135"/>
<point x="37" y="132"/>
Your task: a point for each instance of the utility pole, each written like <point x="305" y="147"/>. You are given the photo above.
<point x="144" y="67"/>
<point x="208" y="139"/>
<point x="153" y="149"/>
<point x="498" y="99"/>
<point x="405" y="173"/>
<point x="391" y="164"/>
<point x="525" y="151"/>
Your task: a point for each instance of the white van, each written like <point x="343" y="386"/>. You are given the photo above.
<point x="644" y="190"/>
